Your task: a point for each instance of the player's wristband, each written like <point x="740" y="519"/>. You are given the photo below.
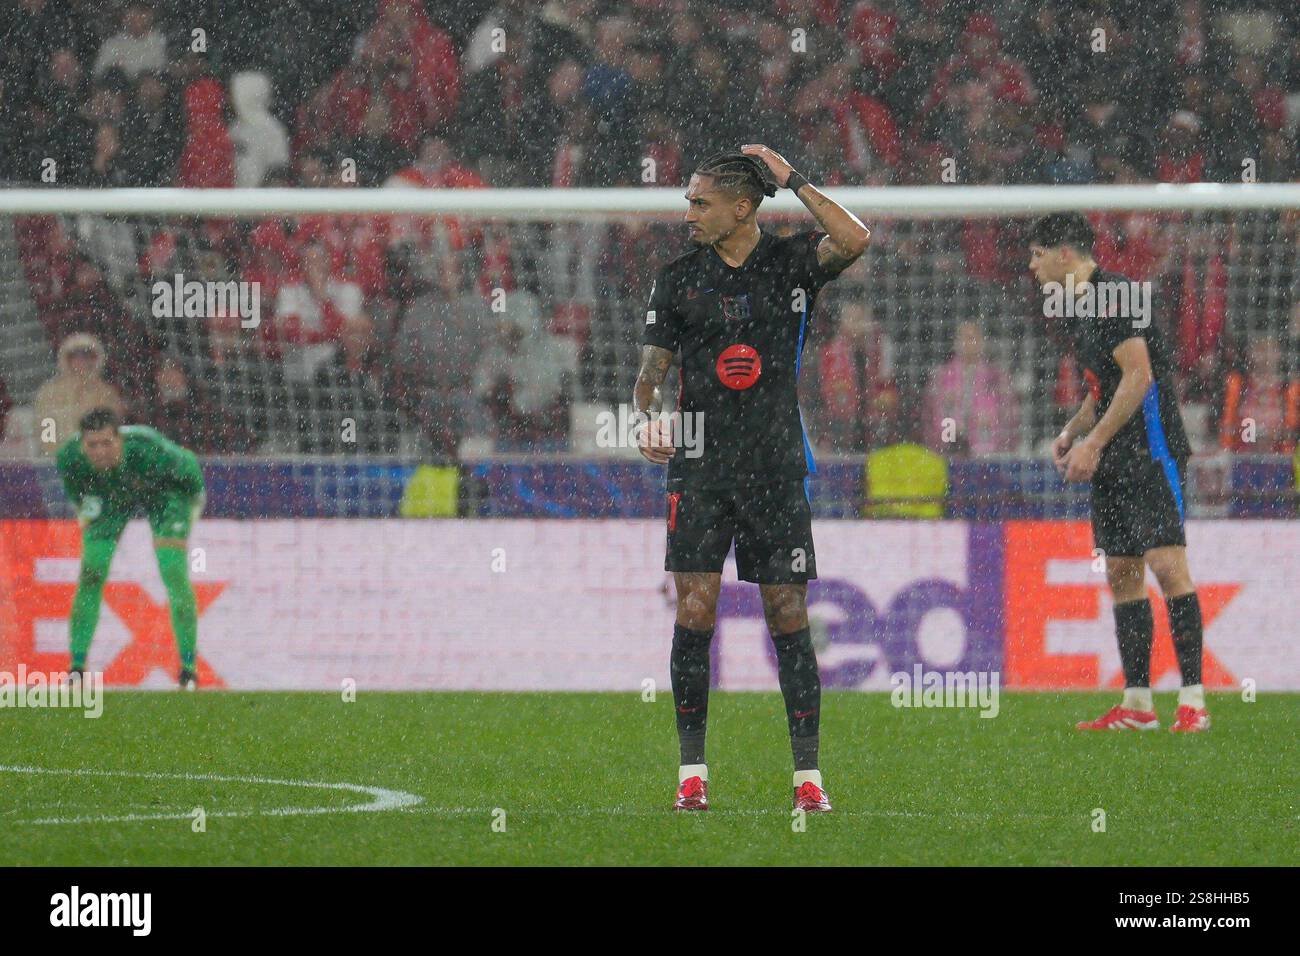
<point x="795" y="182"/>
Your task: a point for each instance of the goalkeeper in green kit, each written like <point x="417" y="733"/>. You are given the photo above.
<point x="109" y="471"/>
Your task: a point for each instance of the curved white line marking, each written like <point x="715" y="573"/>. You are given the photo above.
<point x="382" y="799"/>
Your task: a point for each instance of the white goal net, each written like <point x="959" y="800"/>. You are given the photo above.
<point x="391" y="327"/>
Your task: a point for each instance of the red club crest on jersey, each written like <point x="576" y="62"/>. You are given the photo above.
<point x="739" y="366"/>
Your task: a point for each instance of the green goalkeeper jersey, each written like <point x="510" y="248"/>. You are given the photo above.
<point x="153" y="470"/>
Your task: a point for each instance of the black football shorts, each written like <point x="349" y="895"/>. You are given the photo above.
<point x="1139" y="506"/>
<point x="771" y="525"/>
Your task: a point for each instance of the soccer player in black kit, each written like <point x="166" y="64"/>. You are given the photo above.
<point x="1128" y="439"/>
<point x="737" y="307"/>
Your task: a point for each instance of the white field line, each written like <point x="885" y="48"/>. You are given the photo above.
<point x="381" y="799"/>
<point x="716" y="811"/>
<point x="719" y="811"/>
<point x="410" y="803"/>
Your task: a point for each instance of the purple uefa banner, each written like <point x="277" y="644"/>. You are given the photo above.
<point x="892" y="631"/>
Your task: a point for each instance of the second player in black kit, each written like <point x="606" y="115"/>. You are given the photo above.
<point x="1127" y="439"/>
<point x="737" y="309"/>
<point x="1139" y="486"/>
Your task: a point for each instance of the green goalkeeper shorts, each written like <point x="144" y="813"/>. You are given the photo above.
<point x="171" y="516"/>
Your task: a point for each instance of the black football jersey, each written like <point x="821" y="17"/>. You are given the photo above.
<point x="1156" y="429"/>
<point x="741" y="333"/>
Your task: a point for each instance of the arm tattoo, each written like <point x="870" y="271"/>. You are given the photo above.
<point x="831" y="258"/>
<point x="654" y="367"/>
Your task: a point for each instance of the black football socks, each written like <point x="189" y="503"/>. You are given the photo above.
<point x="689" y="666"/>
<point x="1133" y="629"/>
<point x="1185" y="626"/>
<point x="801" y="686"/>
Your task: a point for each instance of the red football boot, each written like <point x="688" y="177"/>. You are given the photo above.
<point x="692" y="794"/>
<point x="1191" y="719"/>
<point x="811" y="798"/>
<point x="1121" y="718"/>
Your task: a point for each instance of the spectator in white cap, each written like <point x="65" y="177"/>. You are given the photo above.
<point x="75" y="389"/>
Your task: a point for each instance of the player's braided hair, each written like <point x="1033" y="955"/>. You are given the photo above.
<point x="739" y="173"/>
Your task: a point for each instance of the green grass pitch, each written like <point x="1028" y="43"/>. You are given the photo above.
<point x="588" y="778"/>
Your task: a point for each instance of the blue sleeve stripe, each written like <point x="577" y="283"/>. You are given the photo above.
<point x="1160" y="446"/>
<point x="798" y="361"/>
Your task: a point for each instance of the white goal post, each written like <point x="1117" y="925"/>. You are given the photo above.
<point x="551" y="204"/>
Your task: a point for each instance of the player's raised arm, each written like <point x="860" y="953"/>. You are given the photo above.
<point x="847" y="237"/>
<point x="654" y="440"/>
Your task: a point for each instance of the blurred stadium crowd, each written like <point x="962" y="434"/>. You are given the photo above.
<point x="383" y="317"/>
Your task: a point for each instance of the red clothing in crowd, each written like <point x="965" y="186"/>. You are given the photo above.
<point x="417" y="101"/>
<point x="46" y="252"/>
<point x="450" y="175"/>
<point x="668" y="163"/>
<point x="1270" y="107"/>
<point x="982" y="241"/>
<point x="825" y="12"/>
<point x="1130" y="242"/>
<point x="1203" y="309"/>
<point x="1171" y="169"/>
<point x="859" y="399"/>
<point x="208" y="159"/>
<point x="866" y="123"/>
<point x="357" y="247"/>
<point x="1009" y="81"/>
<point x="872" y="32"/>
